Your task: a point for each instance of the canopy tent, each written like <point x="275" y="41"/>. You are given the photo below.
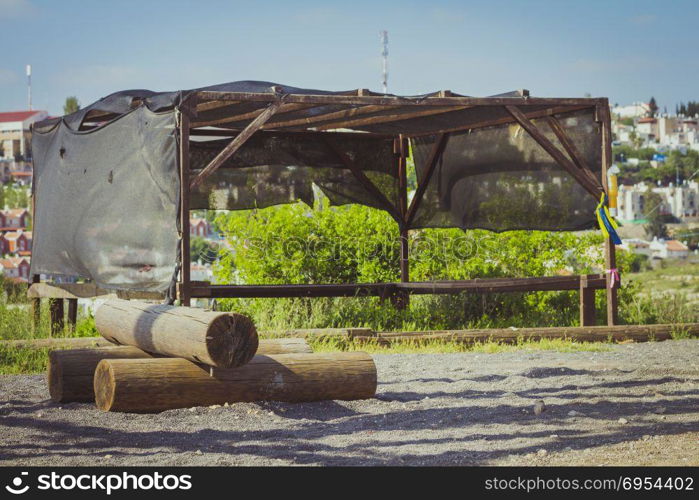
<point x="110" y="205"/>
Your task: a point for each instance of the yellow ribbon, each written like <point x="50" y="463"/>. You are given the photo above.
<point x="602" y="208"/>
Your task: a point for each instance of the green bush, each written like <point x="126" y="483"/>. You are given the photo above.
<point x="356" y="244"/>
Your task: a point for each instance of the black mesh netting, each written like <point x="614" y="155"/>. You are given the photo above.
<point x="270" y="169"/>
<point x="499" y="178"/>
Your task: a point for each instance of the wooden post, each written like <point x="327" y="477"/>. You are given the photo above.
<point x="403" y="299"/>
<point x="587" y="303"/>
<point x="152" y="385"/>
<point x="72" y="314"/>
<point x="184" y="289"/>
<point x="214" y="338"/>
<point x="609" y="248"/>
<point x="56" y="311"/>
<point x="36" y="306"/>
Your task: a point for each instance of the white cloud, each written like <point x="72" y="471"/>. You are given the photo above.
<point x="317" y="15"/>
<point x="642" y="19"/>
<point x="98" y="76"/>
<point x="628" y="64"/>
<point x="7" y="76"/>
<point x="10" y="9"/>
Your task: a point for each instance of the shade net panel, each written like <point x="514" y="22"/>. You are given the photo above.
<point x="106" y="202"/>
<point x="272" y="168"/>
<point x="499" y="178"/>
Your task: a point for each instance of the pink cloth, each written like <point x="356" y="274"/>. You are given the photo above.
<point x="615" y="275"/>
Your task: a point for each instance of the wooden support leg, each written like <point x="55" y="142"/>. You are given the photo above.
<point x="184" y="291"/>
<point x="56" y="310"/>
<point x="36" y="307"/>
<point x="612" y="299"/>
<point x="587" y="303"/>
<point x="72" y="314"/>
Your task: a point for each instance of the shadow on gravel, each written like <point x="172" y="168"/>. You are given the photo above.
<point x="61" y="439"/>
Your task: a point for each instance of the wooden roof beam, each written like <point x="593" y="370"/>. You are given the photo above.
<point x="285" y="108"/>
<point x="373" y="120"/>
<point x="401" y="101"/>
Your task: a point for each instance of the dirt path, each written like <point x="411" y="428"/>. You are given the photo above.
<point x="636" y="404"/>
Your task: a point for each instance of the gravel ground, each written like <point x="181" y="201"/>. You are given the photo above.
<point x="637" y="404"/>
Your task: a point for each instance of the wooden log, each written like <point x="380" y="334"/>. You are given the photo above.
<point x="221" y="339"/>
<point x="619" y="333"/>
<point x="70" y="373"/>
<point x="153" y="385"/>
<point x="57" y="343"/>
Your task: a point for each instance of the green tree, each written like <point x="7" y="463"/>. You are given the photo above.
<point x="71" y="105"/>
<point x="655" y="225"/>
<point x="652" y="107"/>
<point x="202" y="250"/>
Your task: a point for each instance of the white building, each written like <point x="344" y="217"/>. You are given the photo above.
<point x="636" y="245"/>
<point x="635" y="110"/>
<point x="668" y="249"/>
<point x="681" y="202"/>
<point x="15" y="136"/>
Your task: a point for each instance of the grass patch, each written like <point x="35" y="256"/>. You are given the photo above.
<point x="16" y="361"/>
<point x="331" y="344"/>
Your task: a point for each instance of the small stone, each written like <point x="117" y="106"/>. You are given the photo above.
<point x="539" y="407"/>
<point x="623" y="421"/>
<point x="646" y="437"/>
<point x="553" y="436"/>
<point x="198" y="452"/>
<point x="660" y="410"/>
<point x="107" y="456"/>
<point x="214" y="406"/>
<point x="226" y="405"/>
<point x="193" y="409"/>
<point x="39" y="414"/>
<point x="542" y="452"/>
<point x="573" y="413"/>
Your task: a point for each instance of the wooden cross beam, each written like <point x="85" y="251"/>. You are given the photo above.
<point x="569" y="146"/>
<point x="364" y="180"/>
<point x="435" y="155"/>
<point x="236" y="143"/>
<point x="595" y="189"/>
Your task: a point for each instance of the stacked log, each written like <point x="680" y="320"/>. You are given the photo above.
<point x="71" y="372"/>
<point x="220" y="339"/>
<point x="168" y="357"/>
<point x="158" y="384"/>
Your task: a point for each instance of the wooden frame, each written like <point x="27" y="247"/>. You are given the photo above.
<point x="366" y="110"/>
<point x="324" y="114"/>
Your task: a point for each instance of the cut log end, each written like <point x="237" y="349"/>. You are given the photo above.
<point x="232" y="340"/>
<point x="104" y="386"/>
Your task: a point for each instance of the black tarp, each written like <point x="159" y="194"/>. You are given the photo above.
<point x="106" y="179"/>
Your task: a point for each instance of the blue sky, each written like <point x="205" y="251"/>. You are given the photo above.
<point x="626" y="50"/>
